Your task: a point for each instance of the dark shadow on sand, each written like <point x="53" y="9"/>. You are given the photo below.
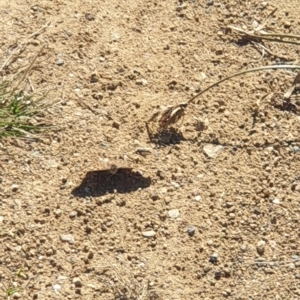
<point x="99" y="183"/>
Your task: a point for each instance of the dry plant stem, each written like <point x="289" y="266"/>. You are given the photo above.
<point x="20" y="46"/>
<point x="268" y="36"/>
<point x="29" y="68"/>
<point x="293" y="67"/>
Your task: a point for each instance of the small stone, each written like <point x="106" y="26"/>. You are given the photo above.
<point x="57" y="212"/>
<point x="97" y="96"/>
<point x="77" y="282"/>
<point x="272" y="244"/>
<point x="73" y="214"/>
<point x="141" y="81"/>
<point x="295" y="149"/>
<point x="287" y="24"/>
<point x="173" y="213"/>
<point x="61" y="277"/>
<point x="213" y="258"/>
<point x="115" y="37"/>
<point x="260" y="247"/>
<point x="154" y="197"/>
<point x="295" y="258"/>
<point x="102" y="59"/>
<point x="16" y="295"/>
<point x="50" y="252"/>
<point x="67" y="238"/>
<point x="89" y="17"/>
<point x="149" y="233"/>
<point x="164" y="190"/>
<point x="116" y="125"/>
<point x="56" y="288"/>
<point x="276" y="201"/>
<point x="1" y="219"/>
<point x="264" y="4"/>
<point x="14" y="187"/>
<point x="212" y="151"/>
<point x="218" y="275"/>
<point x="231" y="215"/>
<point x="291" y="266"/>
<point x="191" y="230"/>
<point x="244" y="248"/>
<point x="60" y="62"/>
<point x="94" y="78"/>
<point x="210" y="2"/>
<point x="198" y="198"/>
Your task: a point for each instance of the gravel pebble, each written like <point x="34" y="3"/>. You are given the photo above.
<point x="214" y="258"/>
<point x="198" y="198"/>
<point x="149" y="233"/>
<point x="60" y="62"/>
<point x="56" y="288"/>
<point x="212" y="151"/>
<point x="73" y="214"/>
<point x="260" y="247"/>
<point x="295" y="257"/>
<point x="14" y="187"/>
<point x="67" y="238"/>
<point x="191" y="230"/>
<point x="77" y="282"/>
<point x="173" y="213"/>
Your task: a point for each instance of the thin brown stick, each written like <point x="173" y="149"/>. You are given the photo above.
<point x="293" y="67"/>
<point x="22" y="44"/>
<point x="29" y="67"/>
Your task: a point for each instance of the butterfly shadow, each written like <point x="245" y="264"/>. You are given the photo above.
<point x="101" y="182"/>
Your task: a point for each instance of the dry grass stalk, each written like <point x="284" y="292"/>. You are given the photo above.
<point x="271" y="37"/>
<point x="172" y="114"/>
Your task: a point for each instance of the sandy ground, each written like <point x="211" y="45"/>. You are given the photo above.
<point x="172" y="223"/>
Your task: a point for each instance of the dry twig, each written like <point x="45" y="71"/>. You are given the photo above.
<point x="172" y="114"/>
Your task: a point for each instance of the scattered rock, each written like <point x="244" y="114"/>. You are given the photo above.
<point x="244" y="248"/>
<point x="77" y="282"/>
<point x="58" y="212"/>
<point x="73" y="214"/>
<point x="97" y="96"/>
<point x="16" y="295"/>
<point x="149" y="233"/>
<point x="14" y="187"/>
<point x="94" y="78"/>
<point x="143" y="151"/>
<point x="218" y="275"/>
<point x="62" y="277"/>
<point x="141" y="81"/>
<point x="89" y="17"/>
<point x="173" y="213"/>
<point x="260" y="247"/>
<point x="60" y="62"/>
<point x="102" y="59"/>
<point x="295" y="258"/>
<point x="295" y="149"/>
<point x="67" y="238"/>
<point x="1" y="219"/>
<point x="116" y="125"/>
<point x="56" y="288"/>
<point x="154" y="197"/>
<point x="276" y="201"/>
<point x="191" y="230"/>
<point x="212" y="151"/>
<point x="214" y="258"/>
